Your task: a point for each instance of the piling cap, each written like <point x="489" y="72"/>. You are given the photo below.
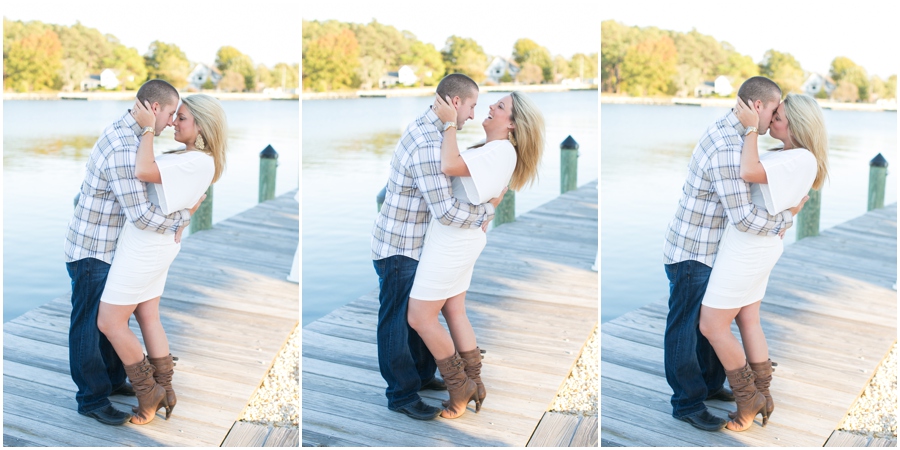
<point x="878" y="161"/>
<point x="569" y="144"/>
<point x="268" y="153"/>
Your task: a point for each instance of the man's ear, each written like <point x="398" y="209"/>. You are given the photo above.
<point x="155" y="107"/>
<point x="758" y="105"/>
<point x="457" y="101"/>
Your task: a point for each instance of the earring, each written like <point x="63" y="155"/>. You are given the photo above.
<point x="512" y="139"/>
<point x="199" y="144"/>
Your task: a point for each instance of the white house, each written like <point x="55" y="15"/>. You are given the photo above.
<point x="816" y="82"/>
<point x="407" y="76"/>
<point x="106" y="79"/>
<point x="500" y="66"/>
<point x="723" y="86"/>
<point x="203" y="73"/>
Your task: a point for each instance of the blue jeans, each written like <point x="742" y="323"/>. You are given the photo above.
<point x="404" y="360"/>
<point x="692" y="368"/>
<point x="95" y="367"/>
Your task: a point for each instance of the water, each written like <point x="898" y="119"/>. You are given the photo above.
<point x="646" y="150"/>
<point x="347" y="148"/>
<point x="45" y="146"/>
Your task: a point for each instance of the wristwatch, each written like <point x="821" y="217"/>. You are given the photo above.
<point x="147" y="130"/>
<point x="751" y="130"/>
<point x="448" y="125"/>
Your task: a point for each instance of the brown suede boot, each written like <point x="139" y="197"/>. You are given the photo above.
<point x="151" y="396"/>
<point x="750" y="401"/>
<point x="763" y="373"/>
<point x="462" y="390"/>
<point x="473" y="371"/>
<point x="165" y="368"/>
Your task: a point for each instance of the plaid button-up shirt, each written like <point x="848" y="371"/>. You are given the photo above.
<point x="416" y="190"/>
<point x="714" y="192"/>
<point x="111" y="194"/>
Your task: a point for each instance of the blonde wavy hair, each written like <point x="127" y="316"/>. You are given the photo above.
<point x="529" y="137"/>
<point x="806" y="128"/>
<point x="210" y="119"/>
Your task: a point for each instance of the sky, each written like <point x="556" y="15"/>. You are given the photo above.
<point x="569" y="27"/>
<point x="814" y="33"/>
<point x="268" y="32"/>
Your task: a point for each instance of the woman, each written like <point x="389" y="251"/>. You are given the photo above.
<point x="138" y="272"/>
<point x="779" y="179"/>
<point x="514" y="131"/>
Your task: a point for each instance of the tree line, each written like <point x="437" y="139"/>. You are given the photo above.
<point x="651" y="61"/>
<point x="339" y="55"/>
<point x="47" y="57"/>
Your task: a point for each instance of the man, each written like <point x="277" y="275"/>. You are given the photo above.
<point x="110" y="196"/>
<point x="713" y="193"/>
<point x="416" y="190"/>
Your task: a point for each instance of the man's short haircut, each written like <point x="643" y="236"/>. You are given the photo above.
<point x="158" y="91"/>
<point x="759" y="88"/>
<point x="457" y="85"/>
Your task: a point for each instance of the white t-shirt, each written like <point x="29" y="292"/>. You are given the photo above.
<point x="490" y="166"/>
<point x="185" y="177"/>
<point x="790" y="175"/>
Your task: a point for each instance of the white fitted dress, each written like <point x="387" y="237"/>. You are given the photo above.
<point x="449" y="253"/>
<point x="744" y="261"/>
<point x="141" y="263"/>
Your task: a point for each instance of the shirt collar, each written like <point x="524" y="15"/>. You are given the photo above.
<point x="432" y="118"/>
<point x="731" y="119"/>
<point x="131" y="123"/>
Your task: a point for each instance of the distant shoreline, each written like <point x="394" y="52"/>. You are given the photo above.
<point x="427" y="91"/>
<point x="130" y="95"/>
<point x="726" y="102"/>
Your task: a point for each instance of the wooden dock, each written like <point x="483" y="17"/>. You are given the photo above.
<point x="227" y="310"/>
<point x="532" y="302"/>
<point x="830" y="317"/>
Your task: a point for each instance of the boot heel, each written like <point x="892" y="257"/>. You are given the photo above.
<point x="765" y="416"/>
<point x="477" y="402"/>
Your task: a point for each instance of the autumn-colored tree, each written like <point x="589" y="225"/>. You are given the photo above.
<point x="33" y="62"/>
<point x="648" y="67"/>
<point x="845" y="92"/>
<point x="330" y="62"/>
<point x="232" y="81"/>
<point x="530" y="74"/>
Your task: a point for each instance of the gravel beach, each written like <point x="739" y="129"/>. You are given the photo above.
<point x="277" y="401"/>
<point x="875" y="413"/>
<point x="581" y="391"/>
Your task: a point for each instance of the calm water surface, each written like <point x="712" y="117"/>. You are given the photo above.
<point x="347" y="148"/>
<point x="646" y="150"/>
<point x="45" y="147"/>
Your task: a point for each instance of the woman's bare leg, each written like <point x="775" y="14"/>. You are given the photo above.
<point x="752" y="333"/>
<point x="715" y="324"/>
<point x="422" y="316"/>
<point x="461" y="331"/>
<point x="112" y="320"/>
<point x="147" y="315"/>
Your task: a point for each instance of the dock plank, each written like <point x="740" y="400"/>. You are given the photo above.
<point x="227" y="310"/>
<point x="532" y="302"/>
<point x="830" y="314"/>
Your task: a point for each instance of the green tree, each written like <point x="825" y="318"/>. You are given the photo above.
<point x="583" y="66"/>
<point x="264" y="78"/>
<point x="33" y="62"/>
<point x="464" y="55"/>
<point x="890" y="87"/>
<point x="783" y="69"/>
<point x="427" y="62"/>
<point x="561" y="69"/>
<point x="330" y="62"/>
<point x="381" y="48"/>
<point x="231" y="59"/>
<point x="167" y="62"/>
<point x="844" y="69"/>
<point x="528" y="51"/>
<point x="737" y="66"/>
<point x="649" y="66"/>
<point x="615" y="39"/>
<point x="700" y="51"/>
<point x="129" y="65"/>
<point x="877" y="88"/>
<point x="840" y="66"/>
